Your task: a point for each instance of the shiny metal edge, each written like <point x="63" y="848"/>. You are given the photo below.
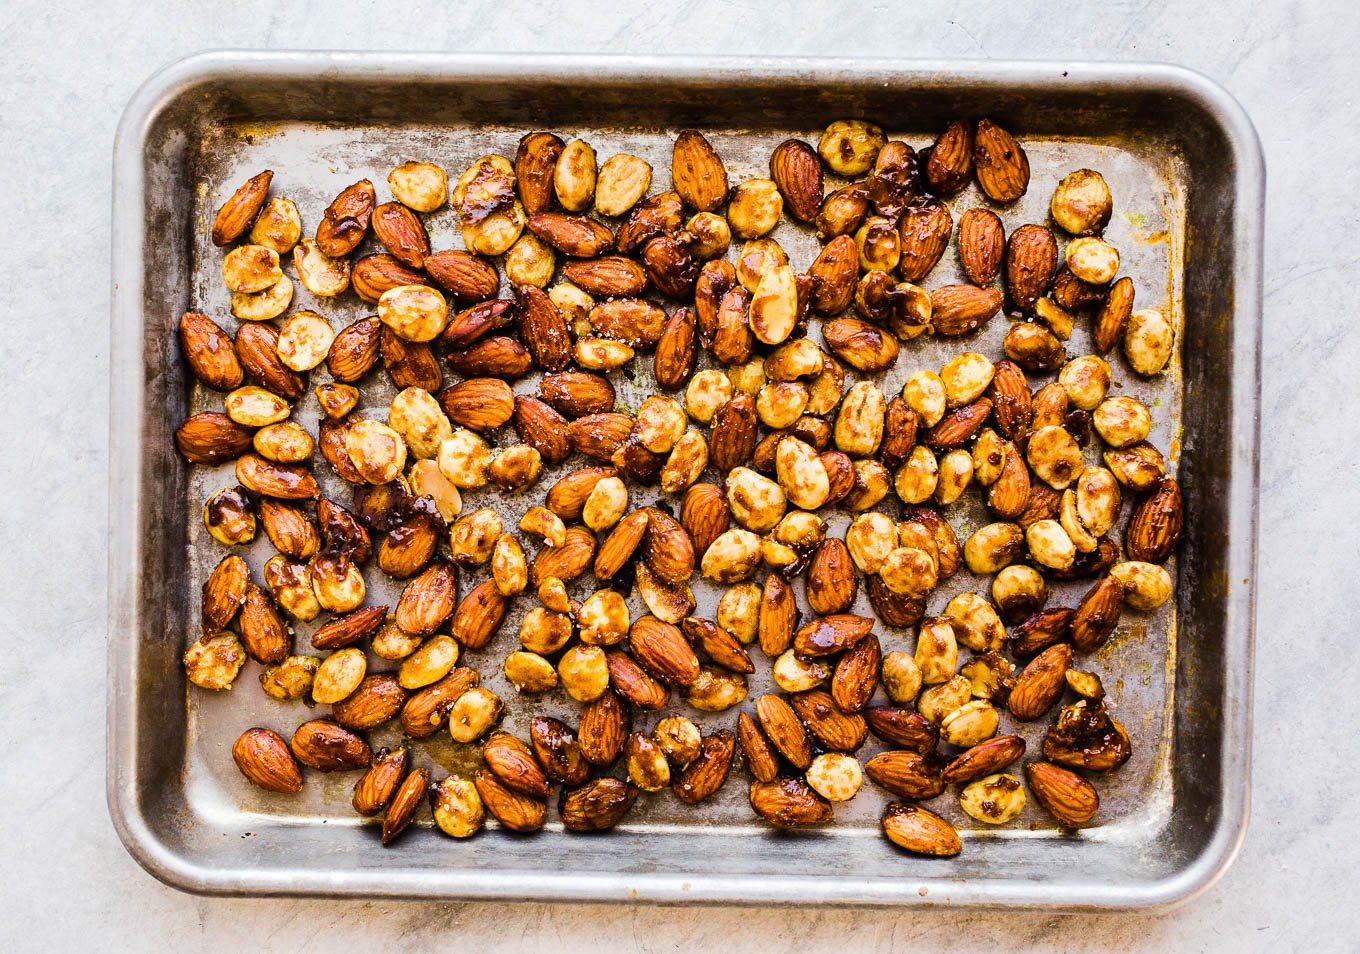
<point x="125" y="505"/>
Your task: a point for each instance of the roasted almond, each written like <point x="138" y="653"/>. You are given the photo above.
<point x="778" y="615"/>
<point x="257" y="348"/>
<point x="982" y="243"/>
<point x="618" y="548"/>
<point x="635" y="321"/>
<point x="704" y="515"/>
<point x="264" y="759"/>
<point x="920" y="831"/>
<point x="373" y="275"/>
<point x="1002" y="166"/>
<point x="462" y="274"/>
<point x="566" y="562"/>
<point x="831" y="582"/>
<point x="760" y="755"/>
<point x="836" y="730"/>
<point x="895" y="609"/>
<point x="405" y="801"/>
<point x="543" y="329"/>
<point x="597" y="805"/>
<point x="346" y="220"/>
<point x="479" y="615"/>
<point x="377" y="701"/>
<point x="428" y="600"/>
<point x="577" y="393"/>
<point x="1031" y="263"/>
<point x="925" y="228"/>
<point x="515" y="810"/>
<point x="1113" y="316"/>
<point x="567" y="498"/>
<point x="354" y="350"/>
<point x="611" y="276"/>
<point x="1097" y="614"/>
<point x="235" y="216"/>
<point x="576" y="235"/>
<point x="210" y="352"/>
<point x="985" y="758"/>
<point x="629" y="680"/>
<point x="734" y="433"/>
<point x="327" y="747"/>
<point x="263" y="634"/>
<point x="797" y="170"/>
<point x="605" y="724"/>
<point x="558" y="751"/>
<point x="410" y="364"/>
<point x="787" y="802"/>
<point x="903" y="728"/>
<point x="662" y="650"/>
<point x="833" y="274"/>
<point x="717" y="644"/>
<point x="1009" y="495"/>
<point x="1065" y="795"/>
<point x="513" y="763"/>
<point x="667" y="548"/>
<point x="961" y="309"/>
<point x="699" y="175"/>
<point x="402" y="233"/>
<point x="479" y="404"/>
<point x="784" y="730"/>
<point x="542" y="428"/>
<point x="855" y="679"/>
<point x="949" y="165"/>
<point x="212" y="438"/>
<point x="670" y="265"/>
<point x="959" y="426"/>
<point x="1040" y="685"/>
<point x="535" y="162"/>
<point x="865" y="347"/>
<point x="223" y="593"/>
<point x="706" y="774"/>
<point x="375" y="788"/>
<point x="1085" y="737"/>
<point x="907" y="774"/>
<point x="663" y="212"/>
<point x="676" y="351"/>
<point x="496" y="357"/>
<point x="427" y="710"/>
<point x="1155" y="527"/>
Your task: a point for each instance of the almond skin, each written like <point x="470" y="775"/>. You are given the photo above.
<point x="405" y="802"/>
<point x="410" y="364"/>
<point x="704" y="515"/>
<point x="618" y="548"/>
<point x="605" y="724"/>
<point x="576" y="235"/>
<point x="577" y="393"/>
<point x="377" y="701"/>
<point x="949" y="167"/>
<point x="717" y="644"/>
<point x="670" y="266"/>
<point x="346" y="220"/>
<point x="599" y="435"/>
<point x="985" y="758"/>
<point x="210" y="352"/>
<point x="663" y="212"/>
<point x="857" y="673"/>
<point x="1002" y="166"/>
<point x="778" y="614"/>
<point x="212" y="438"/>
<point x="706" y="774"/>
<point x="375" y="789"/>
<point x="903" y="728"/>
<point x="327" y="747"/>
<point x="958" y="426"/>
<point x="543" y="329"/>
<point x="465" y="276"/>
<point x="1040" y="685"/>
<point x="567" y="497"/>
<point x="1097" y="614"/>
<point x="630" y="681"/>
<point x="676" y="351"/>
<point x="354" y="350"/>
<point x="557" y="750"/>
<point x="496" y="357"/>
<point x="836" y="730"/>
<point x="662" y="650"/>
<point x="1009" y="495"/>
<point x="833" y="274"/>
<point x="1012" y="406"/>
<point x="796" y="168"/>
<point x="784" y="730"/>
<point x="1031" y="263"/>
<point x="925" y="229"/>
<point x="863" y="346"/>
<point x="596" y="806"/>
<point x="479" y="404"/>
<point x="428" y="600"/>
<point x="223" y="593"/>
<point x="920" y="831"/>
<point x="699" y="174"/>
<point x="374" y="274"/>
<point x="427" y="711"/>
<point x="515" y="810"/>
<point x="734" y="433"/>
<point x="535" y="162"/>
<point x="479" y="615"/>
<point x="634" y="321"/>
<point x="1155" y="527"/>
<point x="1065" y="795"/>
<point x="610" y="276"/>
<point x="831" y="582"/>
<point x="402" y="233"/>
<point x="257" y="350"/>
<point x="667" y="548"/>
<point x="760" y="755"/>
<point x="513" y="763"/>
<point x="566" y="562"/>
<point x="895" y="609"/>
<point x="907" y="774"/>
<point x="787" y="802"/>
<point x="263" y="633"/>
<point x="982" y="243"/>
<point x="542" y="428"/>
<point x="238" y="212"/>
<point x="264" y="759"/>
<point x="961" y="309"/>
<point x="1113" y="315"/>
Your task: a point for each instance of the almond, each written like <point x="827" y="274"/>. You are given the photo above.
<point x="949" y="166"/>
<point x="732" y="338"/>
<point x="1097" y="614"/>
<point x="576" y="235"/>
<point x="1009" y="494"/>
<point x="1012" y="406"/>
<point x="961" y="309"/>
<point x="263" y="633"/>
<point x="895" y="609"/>
<point x="354" y="350"/>
<point x="479" y="615"/>
<point x="1085" y="737"/>
<point x="630" y="681"/>
<point x="567" y="498"/>
<point x="349" y="629"/>
<point x="857" y="673"/>
<point x="402" y="233"/>
<point x="212" y="438"/>
<point x="706" y="774"/>
<point x="327" y="747"/>
<point x="797" y="170"/>
<point x="379" y="784"/>
<point x="676" y="351"/>
<point x="346" y="220"/>
<point x="959" y="426"/>
<point x="661" y="649"/>
<point x="760" y="755"/>
<point x="786" y="802"/>
<point x="1065" y="795"/>
<point x="636" y="463"/>
<point x="1031" y="263"/>
<point x="704" y="515"/>
<point x="223" y="593"/>
<point x="903" y="728"/>
<point x="410" y="545"/>
<point x="376" y="702"/>
<point x="492" y="357"/>
<point x="699" y="174"/>
<point x="238" y="212"/>
<point x="831" y="582"/>
<point x="1113" y="316"/>
<point x="210" y="352"/>
<point x="1155" y="526"/>
<point x="374" y="274"/>
<point x="1073" y="294"/>
<point x="895" y="179"/>
<point x="717" y="644"/>
<point x="472" y="324"/>
<point x="480" y="404"/>
<point x="577" y="393"/>
<point x="410" y="364"/>
<point x="900" y="426"/>
<point x="1040" y="685"/>
<point x="428" y="600"/>
<point x="1002" y="166"/>
<point x="285" y="481"/>
<point x="330" y="437"/>
<point x="515" y="810"/>
<point x="985" y="758"/>
<point x="634" y="321"/>
<point x="597" y="805"/>
<point x="734" y="433"/>
<point x="542" y="428"/>
<point x="833" y="274"/>
<point x="662" y="212"/>
<point x="264" y="759"/>
<point x="863" y="346"/>
<point x="784" y="730"/>
<point x="907" y="774"/>
<point x="290" y="529"/>
<point x="566" y="562"/>
<point x="610" y="276"/>
<point x="405" y="802"/>
<point x="535" y="162"/>
<point x="667" y="548"/>
<point x="778" y="615"/>
<point x="619" y="546"/>
<point x="605" y="724"/>
<point x="982" y="243"/>
<point x="837" y="731"/>
<point x="257" y="348"/>
<point x="670" y="266"/>
<point x="925" y="230"/>
<point x="716" y="279"/>
<point x="513" y="764"/>
<point x="543" y="329"/>
<point x="842" y="212"/>
<point x="920" y="831"/>
<point x="464" y="275"/>
<point x="427" y="711"/>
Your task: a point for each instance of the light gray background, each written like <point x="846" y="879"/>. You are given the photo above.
<point x="70" y="68"/>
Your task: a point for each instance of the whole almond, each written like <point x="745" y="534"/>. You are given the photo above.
<point x="732" y="339"/>
<point x="706" y="774"/>
<point x="716" y="279"/>
<point x="1097" y="614"/>
<point x="597" y="805"/>
<point x="903" y="728"/>
<point x="1155" y="527"/>
<point x="895" y="609"/>
<point x="610" y="276"/>
<point x="677" y="351"/>
<point x="1040" y="685"/>
<point x="479" y="615"/>
<point x="1113" y="315"/>
<point x="257" y="349"/>
<point x="670" y="266"/>
<point x="786" y="802"/>
<point x="1065" y="795"/>
<point x="925" y="229"/>
<point x="982" y="243"/>
<point x="900" y="426"/>
<point x="405" y="801"/>
<point x="778" y="615"/>
<point x="376" y="787"/>
<point x="566" y="562"/>
<point x="354" y="350"/>
<point x="346" y="220"/>
<point x="223" y="593"/>
<point x="667" y="548"/>
<point x="959" y="426"/>
<point x="796" y="168"/>
<point x="1073" y="294"/>
<point x="402" y="233"/>
<point x="619" y="546"/>
<point x="634" y="321"/>
<point x="427" y="711"/>
<point x="661" y="649"/>
<point x="410" y="364"/>
<point x="428" y="600"/>
<point x="330" y="438"/>
<point x="699" y="175"/>
<point x="605" y="724"/>
<point x="838" y="731"/>
<point x="961" y="309"/>
<point x="406" y="550"/>
<point x="1031" y="263"/>
<point x="717" y="644"/>
<point x="1039" y="631"/>
<point x="543" y="329"/>
<point x="733" y="437"/>
<point x="290" y="529"/>
<point x="327" y="747"/>
<point x="373" y="275"/>
<point x="464" y="275"/>
<point x="479" y="404"/>
<point x="855" y="679"/>
<point x="263" y="633"/>
<point x="558" y="751"/>
<point x="239" y="211"/>
<point x="633" y="683"/>
<point x="264" y="759"/>
<point x="210" y="352"/>
<point x="1009" y="494"/>
<point x="949" y="167"/>
<point x="865" y="347"/>
<point x="760" y="755"/>
<point x="515" y="810"/>
<point x="567" y="497"/>
<point x="907" y="774"/>
<point x="576" y="235"/>
<point x="496" y="357"/>
<point x="704" y="515"/>
<point x="985" y="758"/>
<point x="577" y="393"/>
<point x="212" y="438"/>
<point x="535" y="161"/>
<point x="663" y="212"/>
<point x="542" y="428"/>
<point x="831" y="582"/>
<point x="1002" y="166"/>
<point x="513" y="763"/>
<point x="842" y="212"/>
<point x="1012" y="407"/>
<point x="834" y="272"/>
<point x="377" y="701"/>
<point x="784" y="730"/>
<point x="920" y="831"/>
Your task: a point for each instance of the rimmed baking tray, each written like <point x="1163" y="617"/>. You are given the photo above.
<point x="1185" y="166"/>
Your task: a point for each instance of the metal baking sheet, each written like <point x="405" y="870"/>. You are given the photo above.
<point x="1185" y="171"/>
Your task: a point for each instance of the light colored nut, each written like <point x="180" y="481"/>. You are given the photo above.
<point x="739" y="611"/>
<point x="996" y="799"/>
<point x="622" y="181"/>
<point x="955" y="474"/>
<point x="937" y="651"/>
<point x="251" y="268"/>
<point x="859" y="422"/>
<point x="732" y="557"/>
<point x="1054" y="456"/>
<point x="542" y="522"/>
<point x="748" y="378"/>
<point x="686" y="463"/>
<point x="1086" y="380"/>
<point x="213" y="662"/>
<point x="1098" y="500"/>
<point x="1020" y="591"/>
<point x="1146" y="585"/>
<point x="871" y="484"/>
<point x="989" y="456"/>
<point x="1093" y="260"/>
<point x="458" y="809"/>
<point x="982" y="629"/>
<point x="755" y="208"/>
<point x="1081" y="203"/>
<point x="426" y="480"/>
<point x="464" y="458"/>
<point x="473" y="536"/>
<point x="879" y="244"/>
<point x="870" y="538"/>
<point x="575" y="176"/>
<point x="420" y="186"/>
<point x="605" y="505"/>
<point x="304" y="341"/>
<point x="286" y="442"/>
<point x="800" y="529"/>
<point x="265" y="305"/>
<point x="712" y="235"/>
<point x="916" y="480"/>
<point x="494" y="234"/>
<point x="291" y="679"/>
<point x="422" y="423"/>
<point x="543" y="631"/>
<point x="716" y="690"/>
<point x="850" y="146"/>
<point x="965" y="378"/>
<point x="530" y="672"/>
<point x="943" y="698"/>
<point x="552" y="593"/>
<point x="780" y="403"/>
<point x="835" y="776"/>
<point x="509" y="568"/>
<point x="679" y="738"/>
<point x="909" y="572"/>
<point x="394" y="643"/>
<point x="341" y="591"/>
<point x="414" y="312"/>
<point x="255" y="407"/>
<point x="575" y="305"/>
<point x="707" y="391"/>
<point x="473" y="715"/>
<point x="339" y="675"/>
<point x="435" y="658"/>
<point x="756" y="502"/>
<point x="824" y="390"/>
<point x="603" y="354"/>
<point x="529" y="261"/>
<point x="799" y="358"/>
<point x="802" y="475"/>
<point x="584" y="672"/>
<point x="278" y="226"/>
<point x="647" y="766"/>
<point x="1148" y="341"/>
<point x="970" y="724"/>
<point x="1121" y="421"/>
<point x="758" y="257"/>
<point x="660" y="423"/>
<point x="901" y="678"/>
<point x="1049" y="544"/>
<point x="992" y="547"/>
<point x="376" y="450"/>
<point x="517" y="467"/>
<point x="925" y="394"/>
<point x="793" y="673"/>
<point x="603" y="618"/>
<point x="323" y="276"/>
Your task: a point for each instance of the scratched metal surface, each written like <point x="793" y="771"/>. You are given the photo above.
<point x="312" y="162"/>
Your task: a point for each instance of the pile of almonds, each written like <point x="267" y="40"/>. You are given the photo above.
<point x="746" y="397"/>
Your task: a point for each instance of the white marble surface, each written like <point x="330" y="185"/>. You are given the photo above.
<point x="69" y="69"/>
